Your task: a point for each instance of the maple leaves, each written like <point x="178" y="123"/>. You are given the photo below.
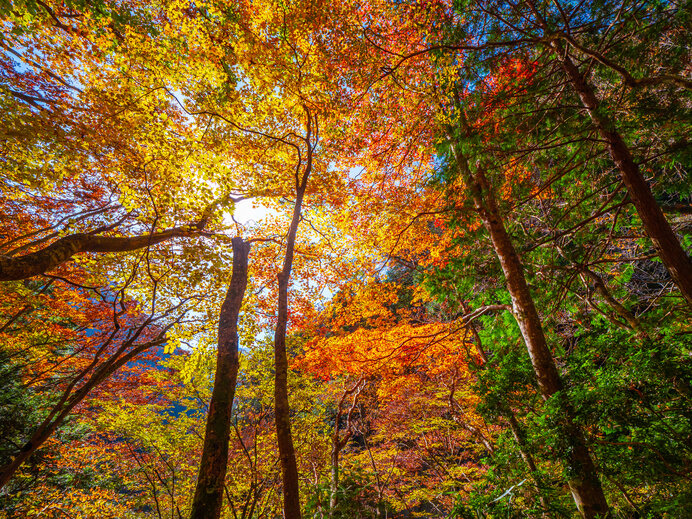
<point x="412" y="375"/>
<point x="402" y="152"/>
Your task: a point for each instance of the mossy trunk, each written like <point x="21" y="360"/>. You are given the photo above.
<point x="212" y="469"/>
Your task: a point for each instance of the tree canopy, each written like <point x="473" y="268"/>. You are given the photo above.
<point x="304" y="258"/>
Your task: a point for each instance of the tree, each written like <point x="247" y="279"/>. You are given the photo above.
<point x="209" y="492"/>
<point x="585" y="485"/>
<point x="558" y="35"/>
<point x="384" y="343"/>
<point x="463" y="261"/>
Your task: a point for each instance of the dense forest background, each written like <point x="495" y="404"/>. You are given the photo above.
<point x="354" y="259"/>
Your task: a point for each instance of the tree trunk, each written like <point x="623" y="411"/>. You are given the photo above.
<point x="339" y="442"/>
<point x="289" y="468"/>
<point x="518" y="435"/>
<point x="584" y="483"/>
<point x="334" y="478"/>
<point x="655" y="224"/>
<point x="66" y="404"/>
<point x="516" y="429"/>
<point x="287" y="455"/>
<point x="632" y="321"/>
<point x="212" y="469"/>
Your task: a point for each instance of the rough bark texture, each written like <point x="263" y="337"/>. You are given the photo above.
<point x="584" y="484"/>
<point x="655" y="224"/>
<point x="212" y="470"/>
<point x="60" y="251"/>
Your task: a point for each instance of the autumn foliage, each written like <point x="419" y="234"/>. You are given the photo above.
<point x="345" y="259"/>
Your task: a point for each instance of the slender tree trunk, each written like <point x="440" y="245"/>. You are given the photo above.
<point x="459" y="418"/>
<point x="334" y="477"/>
<point x="584" y="483"/>
<point x="655" y="224"/>
<point x="339" y="442"/>
<point x="287" y="454"/>
<point x="516" y="429"/>
<point x="212" y="469"/>
<point x="519" y="438"/>
<point x="289" y="468"/>
<point x="632" y="321"/>
<point x="58" y="414"/>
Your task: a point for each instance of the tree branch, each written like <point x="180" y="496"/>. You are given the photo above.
<point x="60" y="251"/>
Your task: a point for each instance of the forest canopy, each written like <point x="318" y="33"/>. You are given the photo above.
<point x="354" y="259"/>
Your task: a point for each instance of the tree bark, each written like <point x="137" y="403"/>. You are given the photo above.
<point x="212" y="469"/>
<point x="667" y="245"/>
<point x="60" y="251"/>
<point x="289" y="468"/>
<point x="584" y="483"/>
<point x="655" y="224"/>
<point x="287" y="455"/>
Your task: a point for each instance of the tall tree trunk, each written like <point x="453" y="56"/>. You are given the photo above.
<point x="212" y="469"/>
<point x="584" y="483"/>
<point x="289" y="468"/>
<point x="656" y="226"/>
<point x="287" y="455"/>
